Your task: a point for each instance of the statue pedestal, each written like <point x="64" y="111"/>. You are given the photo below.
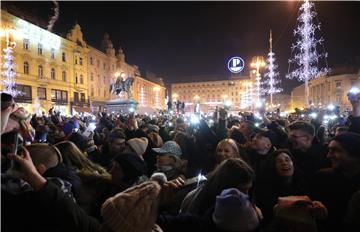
<point x="121" y="106"/>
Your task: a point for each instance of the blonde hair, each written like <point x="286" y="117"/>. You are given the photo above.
<point x="72" y="156"/>
<point x="232" y="143"/>
<point x="156" y="139"/>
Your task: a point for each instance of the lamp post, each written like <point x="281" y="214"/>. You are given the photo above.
<point x="258" y="62"/>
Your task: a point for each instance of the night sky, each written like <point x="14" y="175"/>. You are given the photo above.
<point x="177" y="39"/>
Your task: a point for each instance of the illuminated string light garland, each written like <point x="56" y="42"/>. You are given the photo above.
<point x="305" y="53"/>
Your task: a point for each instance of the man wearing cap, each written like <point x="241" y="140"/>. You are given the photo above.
<point x="258" y="150"/>
<point x="168" y="160"/>
<point x="334" y="186"/>
<point x="72" y="133"/>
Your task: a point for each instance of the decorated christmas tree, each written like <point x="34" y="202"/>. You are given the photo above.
<point x="305" y="49"/>
<point x="272" y="82"/>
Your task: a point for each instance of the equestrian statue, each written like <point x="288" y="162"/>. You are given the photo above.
<point x="122" y="85"/>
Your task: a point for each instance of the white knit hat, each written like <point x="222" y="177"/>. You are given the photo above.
<point x="139" y="145"/>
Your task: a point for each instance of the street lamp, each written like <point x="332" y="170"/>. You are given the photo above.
<point x="175" y="96"/>
<point x="258" y="62"/>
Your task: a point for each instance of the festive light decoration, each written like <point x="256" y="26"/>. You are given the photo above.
<point x="258" y="62"/>
<point x="247" y="95"/>
<point x="271" y="75"/>
<point x="305" y="53"/>
<point x="8" y="71"/>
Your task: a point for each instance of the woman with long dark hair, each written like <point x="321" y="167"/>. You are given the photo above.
<point x="232" y="173"/>
<point x="280" y="178"/>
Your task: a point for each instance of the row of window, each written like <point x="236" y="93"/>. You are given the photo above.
<point x="92" y="77"/>
<point x="92" y="92"/>
<point x="40" y="50"/>
<point x="206" y="85"/>
<point x="98" y="64"/>
<point x="56" y="94"/>
<point x="63" y="55"/>
<point x="52" y="73"/>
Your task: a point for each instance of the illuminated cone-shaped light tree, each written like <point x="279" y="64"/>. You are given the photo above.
<point x="8" y="71"/>
<point x="272" y="81"/>
<point x="305" y="52"/>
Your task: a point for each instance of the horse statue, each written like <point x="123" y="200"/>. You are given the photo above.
<point x="122" y="85"/>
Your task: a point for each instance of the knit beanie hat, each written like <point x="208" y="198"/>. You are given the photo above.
<point x="350" y="141"/>
<point x="68" y="128"/>
<point x="133" y="210"/>
<point x="234" y="212"/>
<point x="291" y="212"/>
<point x="139" y="145"/>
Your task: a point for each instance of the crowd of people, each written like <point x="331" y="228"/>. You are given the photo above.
<point x="141" y="173"/>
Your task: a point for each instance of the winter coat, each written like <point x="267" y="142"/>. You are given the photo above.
<point x="66" y="173"/>
<point x="334" y="190"/>
<point x="312" y="160"/>
<point x="267" y="191"/>
<point x="48" y="209"/>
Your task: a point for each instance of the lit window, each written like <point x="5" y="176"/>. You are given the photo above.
<point x="82" y="97"/>
<point x="41" y="93"/>
<point x="40" y="48"/>
<point x="52" y="52"/>
<point x="63" y="76"/>
<point x="26" y="44"/>
<point x="52" y="73"/>
<point x="26" y="67"/>
<point x="40" y="71"/>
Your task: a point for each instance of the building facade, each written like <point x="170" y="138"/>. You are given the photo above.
<point x="66" y="73"/>
<point x="327" y="90"/>
<point x="102" y="68"/>
<point x="212" y="94"/>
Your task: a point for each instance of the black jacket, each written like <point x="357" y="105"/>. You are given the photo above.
<point x="312" y="160"/>
<point x="48" y="209"/>
<point x="334" y="190"/>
